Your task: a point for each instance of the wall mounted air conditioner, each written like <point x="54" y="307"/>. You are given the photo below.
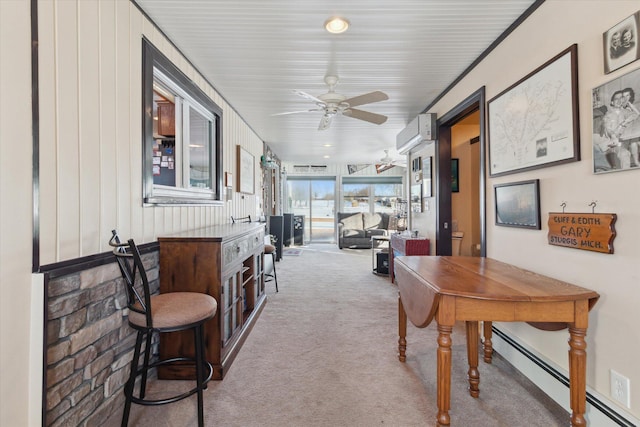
<point x="419" y="130"/>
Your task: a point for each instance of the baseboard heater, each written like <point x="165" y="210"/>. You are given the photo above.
<point x="613" y="417"/>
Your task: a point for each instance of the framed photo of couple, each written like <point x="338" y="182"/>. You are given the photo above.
<point x="620" y="43"/>
<point x="616" y="124"/>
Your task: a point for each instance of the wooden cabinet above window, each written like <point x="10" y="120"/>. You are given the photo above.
<point x="166" y="118"/>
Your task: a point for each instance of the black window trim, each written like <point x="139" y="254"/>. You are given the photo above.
<point x="152" y="57"/>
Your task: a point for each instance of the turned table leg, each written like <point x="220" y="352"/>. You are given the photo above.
<point x="444" y="374"/>
<point x="487" y="344"/>
<point x="578" y="364"/>
<point x="472" y="355"/>
<point x="577" y="372"/>
<point x="402" y="331"/>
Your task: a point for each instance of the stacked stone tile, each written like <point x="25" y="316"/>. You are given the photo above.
<point x="89" y="344"/>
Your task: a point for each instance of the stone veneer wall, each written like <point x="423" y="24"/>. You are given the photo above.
<point x="89" y="343"/>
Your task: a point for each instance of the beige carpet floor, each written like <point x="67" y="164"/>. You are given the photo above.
<point x="324" y="353"/>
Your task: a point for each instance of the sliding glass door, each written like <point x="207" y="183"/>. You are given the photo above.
<point x="314" y="199"/>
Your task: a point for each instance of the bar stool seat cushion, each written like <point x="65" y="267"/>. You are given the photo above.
<point x="176" y="309"/>
<point x="269" y="249"/>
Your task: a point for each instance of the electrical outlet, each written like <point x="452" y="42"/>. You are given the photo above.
<point x="620" y="388"/>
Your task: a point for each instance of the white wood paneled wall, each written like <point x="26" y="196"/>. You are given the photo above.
<point x="91" y="132"/>
<point x="19" y="343"/>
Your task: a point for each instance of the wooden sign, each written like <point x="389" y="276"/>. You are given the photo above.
<point x="586" y="231"/>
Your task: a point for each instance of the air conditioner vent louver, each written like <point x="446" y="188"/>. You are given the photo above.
<point x="309" y="168"/>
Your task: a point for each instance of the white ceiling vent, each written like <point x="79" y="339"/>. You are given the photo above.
<point x="309" y="168"/>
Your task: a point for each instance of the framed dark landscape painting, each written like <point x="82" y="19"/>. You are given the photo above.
<point x="518" y="204"/>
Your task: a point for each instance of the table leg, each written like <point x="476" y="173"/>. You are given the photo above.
<point x="487" y="344"/>
<point x="577" y="375"/>
<point x="444" y="374"/>
<point x="402" y="331"/>
<point x="472" y="355"/>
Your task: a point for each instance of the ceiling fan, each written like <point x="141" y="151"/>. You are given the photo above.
<point x="387" y="160"/>
<point x="332" y="103"/>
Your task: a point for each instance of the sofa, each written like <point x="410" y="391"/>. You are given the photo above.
<point x="356" y="228"/>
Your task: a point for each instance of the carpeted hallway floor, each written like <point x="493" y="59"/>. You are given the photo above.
<point x="324" y="353"/>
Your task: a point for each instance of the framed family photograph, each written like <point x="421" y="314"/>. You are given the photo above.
<point x="620" y="43"/>
<point x="534" y="123"/>
<point x="518" y="204"/>
<point x="616" y="124"/>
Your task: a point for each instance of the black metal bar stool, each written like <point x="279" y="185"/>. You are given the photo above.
<point x="271" y="250"/>
<point x="169" y="312"/>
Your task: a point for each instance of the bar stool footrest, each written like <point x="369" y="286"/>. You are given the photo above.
<point x="157" y="402"/>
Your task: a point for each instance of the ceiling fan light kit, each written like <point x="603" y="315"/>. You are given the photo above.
<point x="333" y="103"/>
<point x="336" y="25"/>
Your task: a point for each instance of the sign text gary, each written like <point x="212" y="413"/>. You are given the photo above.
<point x="591" y="232"/>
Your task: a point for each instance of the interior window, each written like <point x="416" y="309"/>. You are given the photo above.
<point x="182" y="143"/>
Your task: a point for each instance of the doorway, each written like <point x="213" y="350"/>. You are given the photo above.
<point x="464" y="208"/>
<point x="314" y="200"/>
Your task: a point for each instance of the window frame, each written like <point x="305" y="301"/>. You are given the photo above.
<point x="371" y="182"/>
<point x="167" y="195"/>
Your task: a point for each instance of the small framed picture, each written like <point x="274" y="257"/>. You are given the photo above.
<point x="426" y="176"/>
<point x="518" y="204"/>
<point x="620" y="43"/>
<point x="455" y="185"/>
<point x="416" y="198"/>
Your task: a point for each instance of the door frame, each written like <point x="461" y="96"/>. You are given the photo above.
<point x="308" y="222"/>
<point x="475" y="102"/>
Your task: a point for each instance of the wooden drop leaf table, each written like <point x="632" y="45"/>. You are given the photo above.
<point x="473" y="289"/>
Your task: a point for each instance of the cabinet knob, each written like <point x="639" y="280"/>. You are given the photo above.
<point x="237" y="249"/>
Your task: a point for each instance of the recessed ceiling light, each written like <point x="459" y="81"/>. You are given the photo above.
<point x="327" y="145"/>
<point x="326" y="157"/>
<point x="336" y="25"/>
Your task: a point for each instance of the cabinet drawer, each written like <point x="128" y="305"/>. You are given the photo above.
<point x="238" y="248"/>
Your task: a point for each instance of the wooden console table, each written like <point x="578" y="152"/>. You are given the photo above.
<point x="474" y="289"/>
<point x="226" y="262"/>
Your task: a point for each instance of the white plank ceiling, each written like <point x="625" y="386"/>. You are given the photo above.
<point x="257" y="52"/>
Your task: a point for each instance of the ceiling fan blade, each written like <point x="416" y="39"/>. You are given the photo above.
<point x="296" y="112"/>
<point x="309" y="97"/>
<point x="365" y="115"/>
<point x="367" y="98"/>
<point x="325" y="122"/>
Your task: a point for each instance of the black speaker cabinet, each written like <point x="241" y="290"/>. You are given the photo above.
<point x="382" y="263"/>
<point x="276" y="227"/>
<point x="288" y="229"/>
<point x="298" y="230"/>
